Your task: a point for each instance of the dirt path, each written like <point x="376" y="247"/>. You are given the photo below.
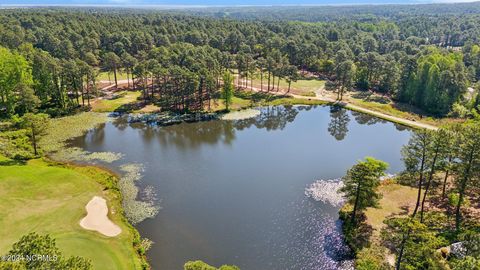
<point x="319" y="95"/>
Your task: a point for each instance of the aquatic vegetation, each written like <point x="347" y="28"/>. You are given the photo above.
<point x="77" y="154"/>
<point x="168" y="118"/>
<point x="135" y="210"/>
<point x="240" y="115"/>
<point x="326" y="191"/>
<point x="62" y="129"/>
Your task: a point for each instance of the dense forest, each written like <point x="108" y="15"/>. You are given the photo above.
<point x="51" y="56"/>
<point x="425" y="56"/>
<point x="339" y="12"/>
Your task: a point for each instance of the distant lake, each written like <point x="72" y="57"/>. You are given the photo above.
<point x="233" y="192"/>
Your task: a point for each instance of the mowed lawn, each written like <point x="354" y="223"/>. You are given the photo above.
<point x="104" y="76"/>
<point x="50" y="199"/>
<point x="301" y="86"/>
<point x="110" y="105"/>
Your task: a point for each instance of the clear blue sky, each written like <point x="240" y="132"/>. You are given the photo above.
<point x="216" y="2"/>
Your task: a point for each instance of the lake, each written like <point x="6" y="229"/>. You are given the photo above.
<point x="233" y="192"/>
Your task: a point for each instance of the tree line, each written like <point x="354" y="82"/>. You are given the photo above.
<point x="61" y="50"/>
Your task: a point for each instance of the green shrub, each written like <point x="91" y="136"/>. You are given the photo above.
<point x="345" y="212"/>
<point x="16" y="145"/>
<point x="371" y="258"/>
<point x="468" y="262"/>
<point x="453" y="200"/>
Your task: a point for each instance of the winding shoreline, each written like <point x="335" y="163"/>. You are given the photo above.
<point x="117" y="176"/>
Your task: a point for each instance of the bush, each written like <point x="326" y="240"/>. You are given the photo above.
<point x="458" y="110"/>
<point x="345" y="212"/>
<point x="453" y="200"/>
<point x="468" y="262"/>
<point x="330" y="85"/>
<point x="372" y="258"/>
<point x="16" y="145"/>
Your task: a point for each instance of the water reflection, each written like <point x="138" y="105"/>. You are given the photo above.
<point x="234" y="191"/>
<point x="193" y="135"/>
<point x="270" y="118"/>
<point x="366" y="119"/>
<point x="338" y="126"/>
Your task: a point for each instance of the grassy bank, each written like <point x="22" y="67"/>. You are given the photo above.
<point x="39" y="196"/>
<point x="395" y="111"/>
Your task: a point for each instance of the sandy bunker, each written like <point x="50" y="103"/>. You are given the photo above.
<point x="97" y="219"/>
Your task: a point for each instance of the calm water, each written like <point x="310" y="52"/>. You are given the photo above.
<point x="232" y="192"/>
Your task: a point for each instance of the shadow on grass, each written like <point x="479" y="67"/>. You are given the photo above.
<point x="371" y="97"/>
<point x="258" y="96"/>
<point x="12" y="162"/>
<point x="130" y="107"/>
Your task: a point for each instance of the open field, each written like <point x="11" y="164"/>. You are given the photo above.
<point x="396" y="200"/>
<point x="238" y="103"/>
<point x="104" y="76"/>
<point x="41" y="197"/>
<point x="110" y="105"/>
<point x="303" y="87"/>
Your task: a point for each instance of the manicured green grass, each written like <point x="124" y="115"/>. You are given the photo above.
<point x="303" y="85"/>
<point x="103" y="76"/>
<point x="110" y="105"/>
<point x="238" y="103"/>
<point x="295" y="101"/>
<point x="50" y="199"/>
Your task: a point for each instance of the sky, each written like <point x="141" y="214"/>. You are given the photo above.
<point x="218" y="2"/>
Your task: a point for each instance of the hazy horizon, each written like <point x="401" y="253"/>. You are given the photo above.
<point x="217" y="3"/>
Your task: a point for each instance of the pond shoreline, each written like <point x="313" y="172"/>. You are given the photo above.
<point x="105" y="168"/>
<point x="168" y="139"/>
<point x="83" y="123"/>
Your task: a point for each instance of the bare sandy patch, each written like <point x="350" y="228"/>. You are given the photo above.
<point x="97" y="219"/>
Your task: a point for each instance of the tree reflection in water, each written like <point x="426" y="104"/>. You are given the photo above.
<point x="270" y="118"/>
<point x="338" y="126"/>
<point x="366" y="119"/>
<point x="193" y="135"/>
